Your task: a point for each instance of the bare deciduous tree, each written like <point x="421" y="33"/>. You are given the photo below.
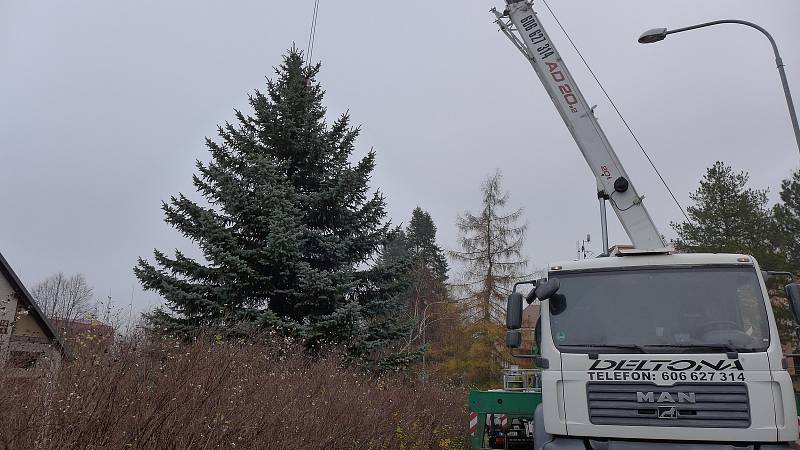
<point x="64" y="298"/>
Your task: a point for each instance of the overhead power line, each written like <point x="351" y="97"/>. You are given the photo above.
<point x="312" y="33"/>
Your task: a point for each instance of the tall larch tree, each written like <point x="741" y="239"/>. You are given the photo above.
<point x="288" y="229"/>
<point x="490" y="252"/>
<point x="490" y="256"/>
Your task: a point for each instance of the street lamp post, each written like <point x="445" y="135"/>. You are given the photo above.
<point x="659" y="34"/>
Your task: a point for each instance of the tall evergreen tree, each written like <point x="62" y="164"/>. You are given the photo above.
<point x="415" y="248"/>
<point x="787" y="222"/>
<point x="427" y="274"/>
<point x="287" y="230"/>
<point x="421" y="238"/>
<point x="787" y="219"/>
<point x="729" y="217"/>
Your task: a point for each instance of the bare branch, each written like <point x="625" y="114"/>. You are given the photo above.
<point x="64" y="298"/>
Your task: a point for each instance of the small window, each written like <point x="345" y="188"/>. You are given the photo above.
<point x="23" y="360"/>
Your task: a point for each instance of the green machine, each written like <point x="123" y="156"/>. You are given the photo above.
<point x="494" y="404"/>
<point x="503" y="418"/>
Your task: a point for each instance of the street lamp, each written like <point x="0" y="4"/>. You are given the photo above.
<point x="659" y="34"/>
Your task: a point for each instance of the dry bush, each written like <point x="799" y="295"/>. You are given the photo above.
<point x="161" y="394"/>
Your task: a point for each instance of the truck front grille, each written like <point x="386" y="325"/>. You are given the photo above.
<point x="703" y="405"/>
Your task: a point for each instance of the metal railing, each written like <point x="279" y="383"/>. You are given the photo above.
<point x="522" y="380"/>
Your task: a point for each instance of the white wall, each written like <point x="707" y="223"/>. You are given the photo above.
<point x="8" y="310"/>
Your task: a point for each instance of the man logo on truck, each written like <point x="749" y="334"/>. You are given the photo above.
<point x="665" y="397"/>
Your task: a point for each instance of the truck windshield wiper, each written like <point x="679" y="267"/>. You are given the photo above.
<point x="728" y="347"/>
<point x="635" y="347"/>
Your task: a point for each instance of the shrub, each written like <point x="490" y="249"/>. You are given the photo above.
<point x="157" y="393"/>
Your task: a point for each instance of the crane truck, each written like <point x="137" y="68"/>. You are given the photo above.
<point x="643" y="348"/>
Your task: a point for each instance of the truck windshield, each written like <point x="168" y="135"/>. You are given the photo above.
<point x="680" y="310"/>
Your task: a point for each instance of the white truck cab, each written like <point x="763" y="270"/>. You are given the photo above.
<point x="647" y="350"/>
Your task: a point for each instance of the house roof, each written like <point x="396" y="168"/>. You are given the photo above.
<point x="25" y="297"/>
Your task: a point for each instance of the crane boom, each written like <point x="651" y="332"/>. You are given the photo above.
<point x="520" y="23"/>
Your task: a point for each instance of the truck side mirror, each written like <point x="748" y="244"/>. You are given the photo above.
<point x="547" y="289"/>
<point x="513" y="338"/>
<point x="793" y="293"/>
<point x="514" y="311"/>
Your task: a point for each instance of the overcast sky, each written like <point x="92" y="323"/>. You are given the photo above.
<point x="104" y="106"/>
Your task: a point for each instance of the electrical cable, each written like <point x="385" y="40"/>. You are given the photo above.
<point x="312" y="33"/>
<point x="630" y="130"/>
<point x="613" y="202"/>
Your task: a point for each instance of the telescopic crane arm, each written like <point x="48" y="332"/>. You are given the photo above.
<point x="520" y="23"/>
